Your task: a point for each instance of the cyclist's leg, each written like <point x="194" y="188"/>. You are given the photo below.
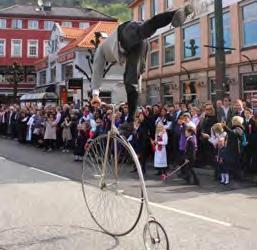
<point x="150" y="26"/>
<point x="131" y="79"/>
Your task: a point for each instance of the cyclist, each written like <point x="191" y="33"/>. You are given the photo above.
<point x="127" y="46"/>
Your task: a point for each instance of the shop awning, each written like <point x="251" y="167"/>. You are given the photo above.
<point x="38" y="96"/>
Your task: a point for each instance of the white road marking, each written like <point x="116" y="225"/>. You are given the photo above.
<point x="2" y="158"/>
<point x="197" y="216"/>
<point x="49" y="173"/>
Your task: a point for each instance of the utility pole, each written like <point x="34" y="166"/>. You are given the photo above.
<point x="220" y="53"/>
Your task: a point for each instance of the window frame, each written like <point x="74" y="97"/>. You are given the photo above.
<point x="154" y="8"/>
<point x="169" y="95"/>
<point x="12" y="48"/>
<point x="4" y="47"/>
<point x="152" y="96"/>
<point x="196" y="22"/>
<point x="165" y="47"/>
<point x="40" y="77"/>
<point x="242" y="5"/>
<point x="46" y="27"/>
<point x="46" y="53"/>
<point x="28" y="48"/>
<point x="141" y="12"/>
<point x="166" y="4"/>
<point x="191" y="95"/>
<point x="154" y="51"/>
<point x="88" y="25"/>
<point x="3" y="21"/>
<point x="33" y="21"/>
<point x="16" y="22"/>
<point x="66" y="26"/>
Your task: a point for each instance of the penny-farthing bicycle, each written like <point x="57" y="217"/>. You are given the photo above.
<point x="114" y="199"/>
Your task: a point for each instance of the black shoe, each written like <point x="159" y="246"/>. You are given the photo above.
<point x="181" y="14"/>
<point x="133" y="170"/>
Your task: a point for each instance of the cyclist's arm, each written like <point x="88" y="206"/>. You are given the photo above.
<point x="98" y="70"/>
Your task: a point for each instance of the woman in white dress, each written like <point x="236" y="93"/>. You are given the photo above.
<point x="160" y="154"/>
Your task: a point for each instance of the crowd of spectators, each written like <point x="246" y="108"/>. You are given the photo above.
<point x="223" y="135"/>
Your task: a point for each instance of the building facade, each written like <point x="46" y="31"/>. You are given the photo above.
<point x="181" y="65"/>
<point x="69" y="47"/>
<point x="24" y="37"/>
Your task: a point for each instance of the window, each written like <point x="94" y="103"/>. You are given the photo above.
<point x="154" y="53"/>
<point x="32" y="48"/>
<point x="141" y="12"/>
<point x="154" y="7"/>
<point x="48" y="25"/>
<point x="17" y="24"/>
<point x="190" y="91"/>
<point x="167" y="93"/>
<point x="106" y="96"/>
<point x="227" y="32"/>
<point x="2" y="47"/>
<point x="168" y="4"/>
<point x="250" y="87"/>
<point x="249" y="24"/>
<point x="53" y="74"/>
<point x="152" y="94"/>
<point x="67" y="24"/>
<point x="83" y="25"/>
<point x="169" y="48"/>
<point x="67" y="71"/>
<point x="33" y="24"/>
<point x="46" y="48"/>
<point x="2" y="24"/>
<point x="212" y="89"/>
<point x="42" y="77"/>
<point x="192" y="44"/>
<point x="16" y="50"/>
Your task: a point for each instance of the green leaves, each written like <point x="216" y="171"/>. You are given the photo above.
<point x="118" y="9"/>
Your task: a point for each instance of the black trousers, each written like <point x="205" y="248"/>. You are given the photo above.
<point x="132" y="37"/>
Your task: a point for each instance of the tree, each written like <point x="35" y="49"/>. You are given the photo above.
<point x="119" y="10"/>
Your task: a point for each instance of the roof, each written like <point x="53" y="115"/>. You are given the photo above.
<point x="72" y="33"/>
<point x="85" y="40"/>
<point x="67" y="12"/>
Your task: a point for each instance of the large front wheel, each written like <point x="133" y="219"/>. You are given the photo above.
<point x="112" y="194"/>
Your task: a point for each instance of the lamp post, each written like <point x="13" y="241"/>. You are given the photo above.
<point x="17" y="76"/>
<point x="220" y="53"/>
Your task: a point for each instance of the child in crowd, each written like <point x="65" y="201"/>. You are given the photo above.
<point x="222" y="162"/>
<point x="190" y="156"/>
<point x="50" y="132"/>
<point x="80" y="143"/>
<point x="66" y="133"/>
<point x="160" y="154"/>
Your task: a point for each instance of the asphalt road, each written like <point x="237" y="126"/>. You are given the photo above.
<point x="42" y="208"/>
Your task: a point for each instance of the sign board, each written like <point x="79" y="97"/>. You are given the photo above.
<point x="75" y="83"/>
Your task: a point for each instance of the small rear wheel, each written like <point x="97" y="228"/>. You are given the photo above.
<point x="155" y="237"/>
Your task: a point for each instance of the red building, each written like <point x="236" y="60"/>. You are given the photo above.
<point x="24" y="35"/>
